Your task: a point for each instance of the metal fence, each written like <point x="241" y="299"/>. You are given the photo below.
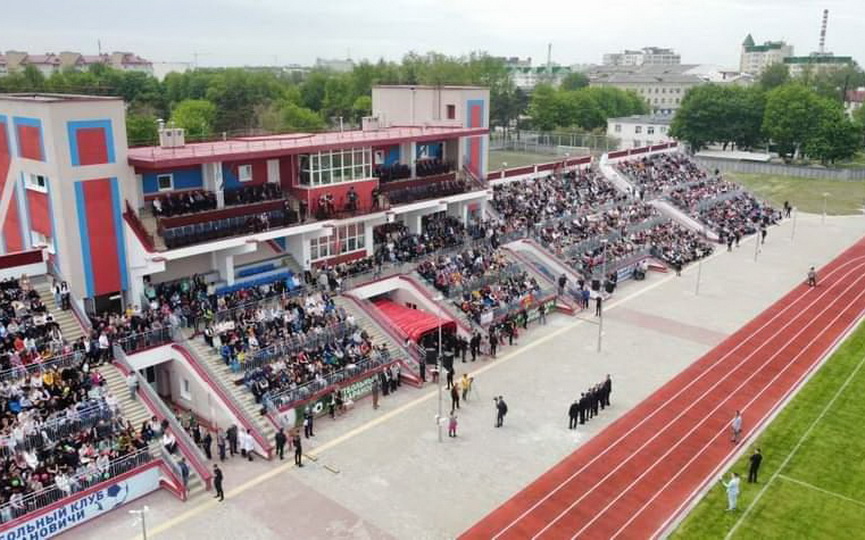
<point x="289" y="397"/>
<point x="145" y="340"/>
<point x="72" y="359"/>
<point x="556" y="144"/>
<point x="87" y="415"/>
<point x="294" y="345"/>
<point x="752" y="167"/>
<point x="78" y="482"/>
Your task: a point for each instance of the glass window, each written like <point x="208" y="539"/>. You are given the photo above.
<point x="165" y="182"/>
<point x="638" y="129"/>
<point x="244" y="173"/>
<point x="325" y="168"/>
<point x="650" y="130"/>
<point x="452" y="112"/>
<point x="618" y="128"/>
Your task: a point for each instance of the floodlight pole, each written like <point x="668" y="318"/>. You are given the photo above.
<point x="601" y="295"/>
<point x="793" y="232"/>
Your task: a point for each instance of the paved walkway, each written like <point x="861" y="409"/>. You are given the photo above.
<point x="384" y="474"/>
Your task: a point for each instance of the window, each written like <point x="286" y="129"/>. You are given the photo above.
<point x="650" y="130"/>
<point x="185" y="392"/>
<point x="165" y="182"/>
<point x="618" y="128"/>
<point x="636" y="143"/>
<point x="325" y="168"/>
<point x="351" y="238"/>
<point x="37" y="182"/>
<point x="39" y="239"/>
<point x="452" y="112"/>
<point x="663" y="129"/>
<point x="244" y="173"/>
<point x="638" y="129"/>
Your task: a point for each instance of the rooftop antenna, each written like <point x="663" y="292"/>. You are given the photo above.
<point x="99" y="46"/>
<point x="549" y="58"/>
<point x="822" y="48"/>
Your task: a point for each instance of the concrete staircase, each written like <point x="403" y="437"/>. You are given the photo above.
<point x="464" y="321"/>
<point x="223" y="375"/>
<point x="70" y="328"/>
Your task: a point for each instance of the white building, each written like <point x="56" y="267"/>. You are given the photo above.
<point x="637" y="131"/>
<point x="51" y="63"/>
<point x="755" y="58"/>
<point x="647" y="56"/>
<point x="338" y="65"/>
<point x="854" y="100"/>
<point x="816" y="63"/>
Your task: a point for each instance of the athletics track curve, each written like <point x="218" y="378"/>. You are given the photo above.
<point x="635" y="476"/>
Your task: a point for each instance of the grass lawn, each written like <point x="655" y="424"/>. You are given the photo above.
<point x="517" y="159"/>
<point x="845" y="198"/>
<point x="820" y="490"/>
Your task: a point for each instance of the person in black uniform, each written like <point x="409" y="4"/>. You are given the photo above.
<point x="584" y="407"/>
<point x="598" y="301"/>
<point x="573" y="414"/>
<point x="475" y="345"/>
<point x="281" y="439"/>
<point x="308" y="419"/>
<point x="298" y="449"/>
<point x="608" y="389"/>
<point x="596" y="400"/>
<point x="756" y="459"/>
<point x="217" y="482"/>
<point x="501" y="410"/>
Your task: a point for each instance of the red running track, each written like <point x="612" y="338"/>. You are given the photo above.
<point x="637" y="475"/>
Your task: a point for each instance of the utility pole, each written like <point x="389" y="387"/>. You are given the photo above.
<point x="793" y="232"/>
<point x="601" y="295"/>
<point x="141" y="513"/>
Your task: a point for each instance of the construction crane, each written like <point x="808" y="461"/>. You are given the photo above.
<point x="821" y="50"/>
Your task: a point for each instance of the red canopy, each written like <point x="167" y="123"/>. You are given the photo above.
<point x="413" y="322"/>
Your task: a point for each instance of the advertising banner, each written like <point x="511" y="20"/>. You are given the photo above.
<point x="86" y="507"/>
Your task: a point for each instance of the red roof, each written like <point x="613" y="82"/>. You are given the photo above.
<point x="856" y="96"/>
<point x="155" y="157"/>
<point x="414" y="323"/>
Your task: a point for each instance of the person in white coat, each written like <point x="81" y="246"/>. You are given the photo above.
<point x="732" y="488"/>
<point x="247" y="443"/>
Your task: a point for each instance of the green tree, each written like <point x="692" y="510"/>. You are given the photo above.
<point x="544" y="107"/>
<point x="362" y="107"/>
<point x="580" y="109"/>
<point x="575" y="81"/>
<point x="793" y="112"/>
<point x="141" y="129"/>
<point x="196" y="116"/>
<point x="774" y="76"/>
<point x="699" y="117"/>
<point x="296" y="118"/>
<point x="835" y="137"/>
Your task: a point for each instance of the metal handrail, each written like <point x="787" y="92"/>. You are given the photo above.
<point x="145" y="340"/>
<point x="288" y="397"/>
<point x="218" y="385"/>
<point x="78" y="482"/>
<point x="293" y="345"/>
<point x="52" y="362"/>
<point x="92" y="412"/>
<point x="162" y="412"/>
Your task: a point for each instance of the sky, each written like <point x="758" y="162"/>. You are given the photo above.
<point x="268" y="32"/>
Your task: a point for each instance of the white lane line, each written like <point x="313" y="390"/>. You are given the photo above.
<point x="710" y="415"/>
<point x="790" y="306"/>
<point x="821" y="490"/>
<point x="799" y="443"/>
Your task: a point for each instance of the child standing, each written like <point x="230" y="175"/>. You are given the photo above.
<point x="452" y="425"/>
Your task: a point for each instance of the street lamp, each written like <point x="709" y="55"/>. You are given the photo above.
<point x="601" y="293"/>
<point x="825" y="198"/>
<point x="793" y="231"/>
<point x="700" y="263"/>
<point x="141" y="513"/>
<point x="439" y="417"/>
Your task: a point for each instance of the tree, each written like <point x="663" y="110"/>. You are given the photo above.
<point x="544" y="107"/>
<point x="774" y="76"/>
<point x="362" y="107"/>
<point x="700" y="116"/>
<point x="141" y="129"/>
<point x="575" y="81"/>
<point x="793" y="113"/>
<point x="580" y="109"/>
<point x="196" y="116"/>
<point x="296" y="118"/>
<point x="835" y="138"/>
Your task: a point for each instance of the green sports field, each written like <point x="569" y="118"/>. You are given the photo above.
<point x="812" y="481"/>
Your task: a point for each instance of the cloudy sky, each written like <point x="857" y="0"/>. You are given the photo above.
<point x="258" y="32"/>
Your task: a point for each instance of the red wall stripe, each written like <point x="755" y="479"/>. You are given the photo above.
<point x="475" y="144"/>
<point x="91" y="146"/>
<point x="5" y="156"/>
<point x="12" y="226"/>
<point x="40" y="218"/>
<point x="30" y="142"/>
<point x="103" y="238"/>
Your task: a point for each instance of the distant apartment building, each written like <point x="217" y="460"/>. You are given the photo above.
<point x="526" y="76"/>
<point x="336" y="64"/>
<point x="647" y="56"/>
<point x="756" y="58"/>
<point x="50" y="63"/>
<point x="639" y="130"/>
<point x="816" y="63"/>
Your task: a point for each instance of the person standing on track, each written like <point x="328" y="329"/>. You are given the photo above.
<point x="732" y="488"/>
<point x="812" y="277"/>
<point x="608" y="389"/>
<point x="756" y="459"/>
<point x="501" y="410"/>
<point x="736" y="427"/>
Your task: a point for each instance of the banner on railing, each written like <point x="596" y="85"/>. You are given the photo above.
<point x="85" y="507"/>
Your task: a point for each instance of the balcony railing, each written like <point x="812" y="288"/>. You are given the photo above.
<point x="72" y="359"/>
<point x="145" y="340"/>
<point x="291" y="397"/>
<point x="87" y="415"/>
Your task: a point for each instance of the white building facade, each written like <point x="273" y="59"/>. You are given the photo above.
<point x="640" y="130"/>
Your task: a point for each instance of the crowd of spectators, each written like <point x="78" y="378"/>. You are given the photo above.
<point x="522" y="204"/>
<point x="198" y="200"/>
<point x="28" y="330"/>
<point x="253" y="194"/>
<point x="659" y="173"/>
<point x="738" y="216"/>
<point x="394" y="243"/>
<point x="565" y="233"/>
